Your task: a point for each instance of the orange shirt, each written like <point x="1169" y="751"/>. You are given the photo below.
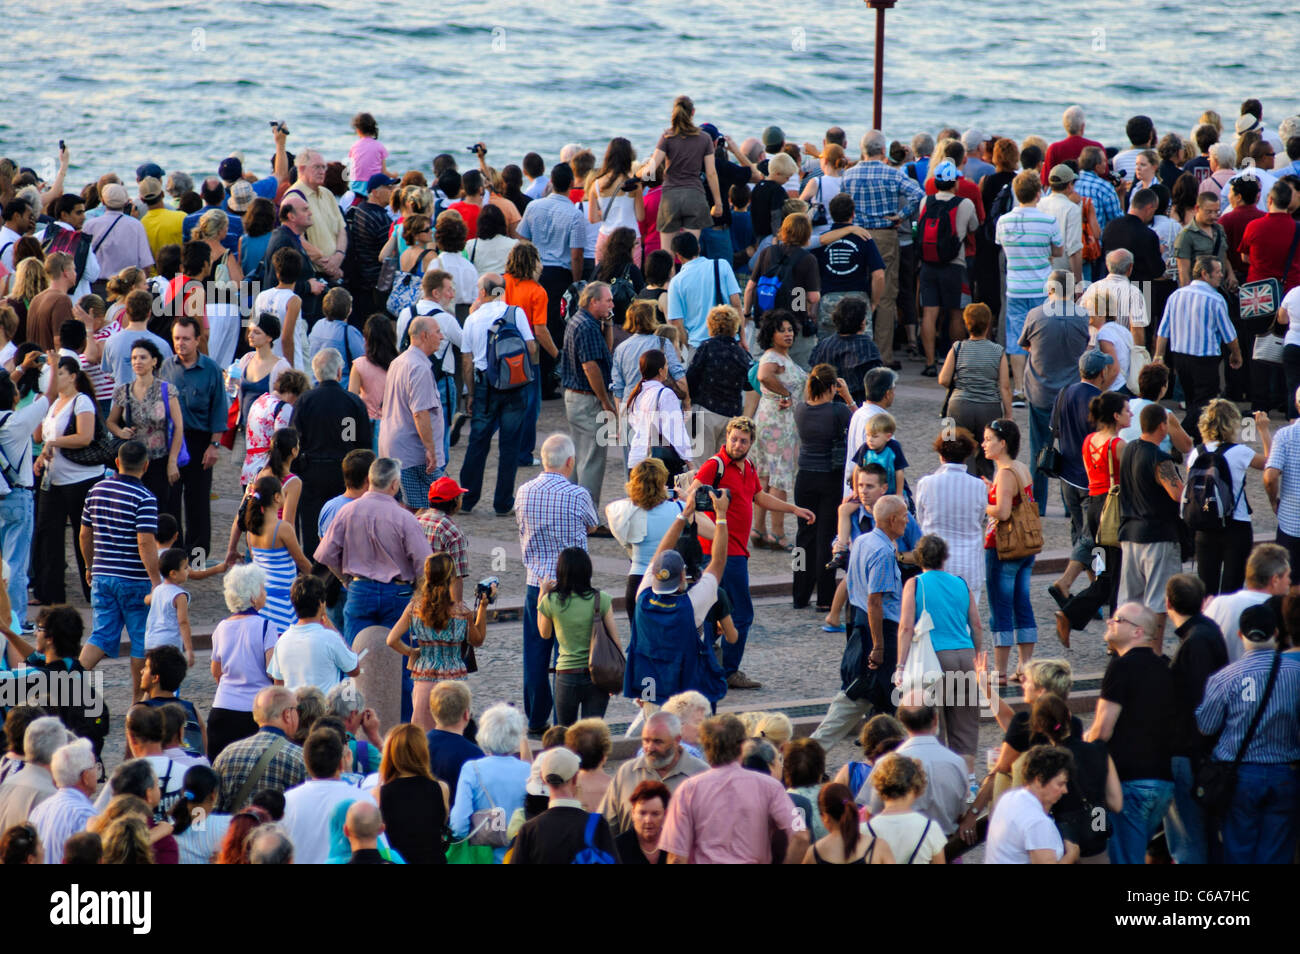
<point x="529" y="296"/>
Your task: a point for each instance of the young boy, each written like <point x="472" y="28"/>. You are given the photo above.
<point x="169" y="606"/>
<point x="169" y="531"/>
<point x="881" y="448"/>
<point x="742" y="228"/>
<point x="160" y="683"/>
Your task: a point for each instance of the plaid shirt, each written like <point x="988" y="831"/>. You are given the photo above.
<point x="236" y="762"/>
<point x="553" y="514"/>
<point x="853" y="357"/>
<point x="1105" y="201"/>
<point x="445" y="537"/>
<point x="584" y="341"/>
<point x="718" y="374"/>
<point x="878" y="191"/>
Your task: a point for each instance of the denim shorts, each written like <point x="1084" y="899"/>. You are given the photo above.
<point x="116" y="602"/>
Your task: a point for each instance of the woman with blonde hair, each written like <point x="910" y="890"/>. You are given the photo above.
<point x="412" y="802"/>
<point x="8" y="328"/>
<point x="590" y="740"/>
<point x="683" y="205"/>
<point x="119" y="286"/>
<point x="642" y="520"/>
<point x="717" y="376"/>
<point x="440" y="629"/>
<point x="28" y="281"/>
<point x="1221" y="554"/>
<point x="222" y="303"/>
<point x="126" y="842"/>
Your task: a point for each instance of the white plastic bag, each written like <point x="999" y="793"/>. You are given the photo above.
<point x="922" y="669"/>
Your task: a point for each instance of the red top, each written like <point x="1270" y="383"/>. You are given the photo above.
<point x="1068" y="148"/>
<point x="1234" y="224"/>
<point x="1266" y="242"/>
<point x="742" y="480"/>
<point x="1095" y="463"/>
<point x="469" y="212"/>
<point x="991" y="533"/>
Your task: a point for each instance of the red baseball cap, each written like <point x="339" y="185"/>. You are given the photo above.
<point x="444" y="489"/>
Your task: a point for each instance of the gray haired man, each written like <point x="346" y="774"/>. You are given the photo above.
<point x="585" y="370"/>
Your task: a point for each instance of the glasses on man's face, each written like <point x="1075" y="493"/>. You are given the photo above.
<point x="1117" y="619"/>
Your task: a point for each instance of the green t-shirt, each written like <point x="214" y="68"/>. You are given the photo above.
<point x="572" y="619"/>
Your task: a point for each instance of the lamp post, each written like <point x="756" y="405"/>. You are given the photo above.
<point x="880" y="6"/>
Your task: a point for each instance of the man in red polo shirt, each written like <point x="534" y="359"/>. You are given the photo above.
<point x="1073" y="143"/>
<point x="740" y="479"/>
<point x="1267" y="241"/>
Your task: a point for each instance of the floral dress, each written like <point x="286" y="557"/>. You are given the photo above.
<point x="263" y="422"/>
<point x="440" y="650"/>
<point x="148" y="417"/>
<point x="777" y="446"/>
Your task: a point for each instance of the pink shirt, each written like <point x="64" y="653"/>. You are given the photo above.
<point x="367" y="156"/>
<point x="377" y="538"/>
<point x="727" y="816"/>
<point x="372" y="378"/>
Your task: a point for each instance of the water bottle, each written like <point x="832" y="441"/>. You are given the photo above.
<point x="233" y="375"/>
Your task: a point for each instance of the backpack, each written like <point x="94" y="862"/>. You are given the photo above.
<point x="1208" y="503"/>
<point x="9" y="477"/>
<point x="1002" y="203"/>
<point x="940" y="243"/>
<point x="591" y="855"/>
<point x="775" y="287"/>
<point x="508" y="365"/>
<point x="623" y="290"/>
<point x="569" y="301"/>
<point x="192" y="735"/>
<point x="69" y="242"/>
<point x="406" y="287"/>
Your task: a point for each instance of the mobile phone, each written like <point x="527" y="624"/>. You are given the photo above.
<point x="62" y="147"/>
<point x="41" y="359"/>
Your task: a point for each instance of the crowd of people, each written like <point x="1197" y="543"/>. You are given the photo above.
<point x="731" y="319"/>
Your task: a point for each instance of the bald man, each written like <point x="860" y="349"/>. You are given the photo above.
<point x="363" y="826"/>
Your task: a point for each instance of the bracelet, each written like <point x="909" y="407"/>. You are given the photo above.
<point x="681" y="517"/>
<point x="720" y="523"/>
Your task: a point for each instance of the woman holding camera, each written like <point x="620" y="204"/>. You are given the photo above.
<point x="615" y="198"/>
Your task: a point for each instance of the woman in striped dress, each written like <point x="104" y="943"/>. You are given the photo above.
<point x="274" y="547"/>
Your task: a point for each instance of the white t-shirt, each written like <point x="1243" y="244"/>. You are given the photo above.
<point x="451" y="330"/>
<point x="464" y="276"/>
<point x="1290" y="301"/>
<point x="489" y="255"/>
<point x="56" y="425"/>
<point x="308" y="654"/>
<point x="1019" y="826"/>
<point x="171" y="782"/>
<point x="703" y="595"/>
<point x="474" y="335"/>
<point x="1122" y="340"/>
<point x="904" y="832"/>
<point x="307" y="811"/>
<point x="16" y="438"/>
<point x="1226" y="609"/>
<point x="1238" y="457"/>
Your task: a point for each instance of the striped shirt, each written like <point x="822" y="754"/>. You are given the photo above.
<point x="975" y="372"/>
<point x="1196" y="321"/>
<point x="556" y="227"/>
<point x="1116" y="296"/>
<point x="117" y="508"/>
<point x="199" y="843"/>
<point x="951" y="504"/>
<point x="878" y="191"/>
<point x="1231" y="696"/>
<point x="553" y="514"/>
<point x="1284" y="457"/>
<point x="1105" y="201"/>
<point x="1027" y="235"/>
<point x="58" y="818"/>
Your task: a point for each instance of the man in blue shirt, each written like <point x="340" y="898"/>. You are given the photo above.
<point x="334" y="331"/>
<point x="875" y="590"/>
<point x="585" y="375"/>
<point x="700" y="283"/>
<point x="449" y="707"/>
<point x="213" y="194"/>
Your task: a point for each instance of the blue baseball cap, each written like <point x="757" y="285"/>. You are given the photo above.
<point x="378" y="181"/>
<point x="946" y="171"/>
<point x="149" y="170"/>
<point x="666" y="572"/>
<point x="711" y="131"/>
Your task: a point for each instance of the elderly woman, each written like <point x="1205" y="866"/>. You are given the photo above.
<point x="1221" y="554"/>
<point x="241" y="650"/>
<point x="269" y="413"/>
<point x="1021" y="832"/>
<point x="589" y="738"/>
<point x="642" y="320"/>
<point x="947" y="606"/>
<point x="950" y="504"/>
<point x="822" y="424"/>
<point x="851" y="350"/>
<point x="641" y="521"/>
<point x="1112" y="337"/>
<point x="222" y="300"/>
<point x="495" y="781"/>
<point x="639" y="845"/>
<point x="717" y="377"/>
<point x="654" y="415"/>
<point x="978" y="375"/>
<point x="776" y="450"/>
<point x="149" y="410"/>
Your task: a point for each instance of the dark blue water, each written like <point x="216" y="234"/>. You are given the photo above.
<point x="184" y="84"/>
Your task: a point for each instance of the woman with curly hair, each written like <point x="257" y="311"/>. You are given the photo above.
<point x="781" y="384"/>
<point x="440" y="632"/>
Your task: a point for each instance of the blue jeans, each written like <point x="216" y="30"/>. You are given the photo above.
<point x="446" y="394"/>
<point x="735" y="580"/>
<point x="1260" y="828"/>
<point x="17" y="522"/>
<point x="378" y="604"/>
<point x="538" y="653"/>
<point x="1012" y="614"/>
<point x="493" y="409"/>
<point x="1040" y="435"/>
<point x="532" y="408"/>
<point x="1075" y="501"/>
<point x="116" y="602"/>
<point x="1185" y="823"/>
<point x="1145" y="803"/>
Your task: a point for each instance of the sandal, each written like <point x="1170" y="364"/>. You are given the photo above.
<point x="778" y="543"/>
<point x="756" y="540"/>
<point x="1017" y="677"/>
<point x="768" y="542"/>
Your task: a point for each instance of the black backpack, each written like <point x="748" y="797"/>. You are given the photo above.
<point x="940" y="243"/>
<point x="622" y="289"/>
<point x="569" y="301"/>
<point x="1208" y="503"/>
<point x="1002" y="203"/>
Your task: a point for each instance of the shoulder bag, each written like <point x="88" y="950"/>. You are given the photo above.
<point x="1021" y="534"/>
<point x="102" y="449"/>
<point x="952" y="385"/>
<point x="1108" y="526"/>
<point x="1260" y="301"/>
<point x="605" y="660"/>
<point x="487" y="826"/>
<point x="922" y="668"/>
<point x="1216" y="782"/>
<point x="1050" y="460"/>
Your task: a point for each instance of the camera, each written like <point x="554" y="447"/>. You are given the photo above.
<point x="476" y="149"/>
<point x="279" y="126"/>
<point x="630" y="185"/>
<point x="484" y="589"/>
<point x="704" y="503"/>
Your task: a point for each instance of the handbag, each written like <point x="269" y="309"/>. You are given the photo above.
<point x="952" y="385"/>
<point x="387" y="272"/>
<point x="1108" y="526"/>
<point x="1050" y="460"/>
<point x="102" y="449"/>
<point x="1138" y="358"/>
<point x="922" y="668"/>
<point x="1216" y="782"/>
<point x="1021" y="534"/>
<point x="1260" y="299"/>
<point x="183" y="457"/>
<point x="1269" y="346"/>
<point x="487" y="826"/>
<point x="405" y="290"/>
<point x="605" y="660"/>
<point x="819" y="217"/>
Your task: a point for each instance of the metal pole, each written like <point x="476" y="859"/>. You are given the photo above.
<point x="877" y="90"/>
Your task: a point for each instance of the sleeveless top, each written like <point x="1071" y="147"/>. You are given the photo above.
<point x="991" y="532"/>
<point x="864" y="860"/>
<point x="1095" y="463"/>
<point x="414" y="814"/>
<point x="947" y="599"/>
<point x="280" y="570"/>
<point x="975" y="371"/>
<point x="440" y="650"/>
<point x="618" y="211"/>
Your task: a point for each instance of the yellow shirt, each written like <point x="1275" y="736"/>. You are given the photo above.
<point x="326" y="217"/>
<point x="162" y="227"/>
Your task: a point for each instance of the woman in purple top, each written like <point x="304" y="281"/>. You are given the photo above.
<point x="241" y="650"/>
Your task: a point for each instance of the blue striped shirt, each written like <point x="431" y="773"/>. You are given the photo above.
<point x="117" y="508"/>
<point x="1284" y="457"/>
<point x="58" y="818"/>
<point x="1231" y="696"/>
<point x="878" y="191"/>
<point x="1196" y="321"/>
<point x="1105" y="202"/>
<point x="556" y="227"/>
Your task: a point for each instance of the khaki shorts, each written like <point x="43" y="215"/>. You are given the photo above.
<point x="683" y="208"/>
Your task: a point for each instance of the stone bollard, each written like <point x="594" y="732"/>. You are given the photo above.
<point x="381" y="675"/>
